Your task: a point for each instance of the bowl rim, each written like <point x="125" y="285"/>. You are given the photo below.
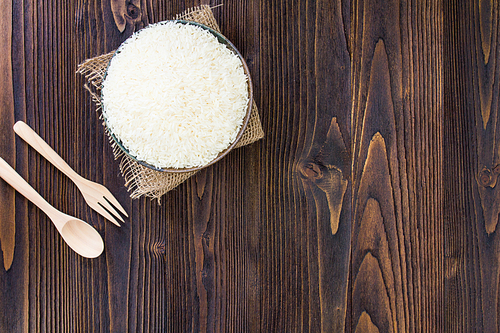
<point x="223" y="40"/>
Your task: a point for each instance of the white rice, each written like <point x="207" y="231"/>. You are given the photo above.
<point x="174" y="96"/>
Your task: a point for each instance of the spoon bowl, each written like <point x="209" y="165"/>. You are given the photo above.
<point x="82" y="238"/>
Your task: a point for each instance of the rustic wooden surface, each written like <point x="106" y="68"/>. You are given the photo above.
<point x="370" y="205"/>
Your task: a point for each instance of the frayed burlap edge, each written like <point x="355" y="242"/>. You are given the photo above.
<point x="139" y="180"/>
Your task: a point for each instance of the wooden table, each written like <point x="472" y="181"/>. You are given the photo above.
<point x="370" y="205"/>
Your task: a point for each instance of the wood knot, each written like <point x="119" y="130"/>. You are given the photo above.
<point x="496" y="170"/>
<point x="487" y="178"/>
<point x="311" y="171"/>
<point x="133" y="11"/>
<point x="158" y="248"/>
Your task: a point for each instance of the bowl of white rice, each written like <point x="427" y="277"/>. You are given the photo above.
<point x="176" y="96"/>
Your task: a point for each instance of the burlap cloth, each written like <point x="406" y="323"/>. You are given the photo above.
<point x="140" y="180"/>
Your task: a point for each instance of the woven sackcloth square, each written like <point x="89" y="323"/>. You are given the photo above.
<point x="140" y="180"/>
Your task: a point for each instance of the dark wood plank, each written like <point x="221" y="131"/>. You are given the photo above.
<point x="325" y="165"/>
<point x="305" y="101"/>
<point x="13" y="211"/>
<point x="396" y="282"/>
<point x="7" y="211"/>
<point x="472" y="136"/>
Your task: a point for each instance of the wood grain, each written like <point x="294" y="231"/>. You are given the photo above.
<point x="7" y="216"/>
<point x="472" y="201"/>
<point x="13" y="211"/>
<point x="306" y="228"/>
<point x="396" y="284"/>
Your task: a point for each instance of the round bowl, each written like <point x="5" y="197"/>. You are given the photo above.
<point x="223" y="40"/>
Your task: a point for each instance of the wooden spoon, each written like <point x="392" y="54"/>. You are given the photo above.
<point x="79" y="235"/>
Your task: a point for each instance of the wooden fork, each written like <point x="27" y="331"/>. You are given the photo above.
<point x="96" y="195"/>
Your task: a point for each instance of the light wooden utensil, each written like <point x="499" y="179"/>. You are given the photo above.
<point x="96" y="195"/>
<point x="79" y="235"/>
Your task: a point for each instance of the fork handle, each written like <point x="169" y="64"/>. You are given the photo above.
<point x="35" y="141"/>
<point x="16" y="181"/>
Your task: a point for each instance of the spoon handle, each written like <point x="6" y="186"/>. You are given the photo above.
<point x="16" y="181"/>
<point x="35" y="141"/>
